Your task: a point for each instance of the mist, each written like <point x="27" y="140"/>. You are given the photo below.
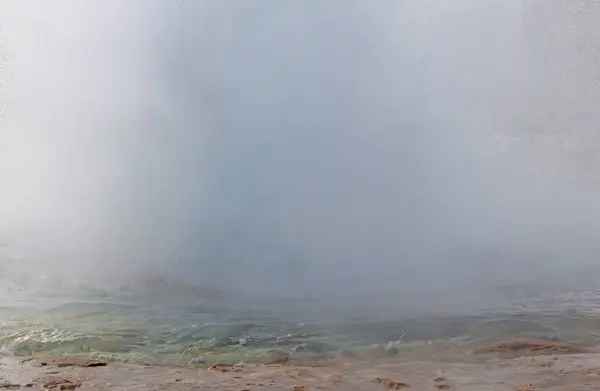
<point x="301" y="148"/>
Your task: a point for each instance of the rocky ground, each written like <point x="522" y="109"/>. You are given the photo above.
<point x="511" y="365"/>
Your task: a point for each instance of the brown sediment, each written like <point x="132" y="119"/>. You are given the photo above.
<point x="528" y="387"/>
<point x="220" y="367"/>
<point x="58" y="382"/>
<point x="278" y="360"/>
<point x="66" y="361"/>
<point x="390" y="384"/>
<point x="300" y="373"/>
<point x="336" y="379"/>
<point x="572" y="372"/>
<point x="529" y="347"/>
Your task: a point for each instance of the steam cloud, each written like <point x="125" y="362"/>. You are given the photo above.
<point x="301" y="146"/>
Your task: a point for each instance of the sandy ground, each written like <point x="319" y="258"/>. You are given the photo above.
<point x="515" y="365"/>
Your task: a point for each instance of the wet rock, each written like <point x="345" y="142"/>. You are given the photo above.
<point x="58" y="382"/>
<point x="530" y="347"/>
<point x="390" y="384"/>
<point x="300" y="373"/>
<point x="278" y="360"/>
<point x="547" y="364"/>
<point x="9" y="386"/>
<point x="220" y="367"/>
<point x="336" y="379"/>
<point x="553" y="338"/>
<point x="67" y="361"/>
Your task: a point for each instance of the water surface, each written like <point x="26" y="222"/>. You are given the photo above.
<point x="154" y="328"/>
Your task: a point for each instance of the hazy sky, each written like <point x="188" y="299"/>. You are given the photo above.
<point x="302" y="146"/>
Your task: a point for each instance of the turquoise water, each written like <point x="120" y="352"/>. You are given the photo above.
<point x="184" y="331"/>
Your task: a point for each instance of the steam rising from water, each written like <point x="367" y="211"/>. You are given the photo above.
<point x="300" y="147"/>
